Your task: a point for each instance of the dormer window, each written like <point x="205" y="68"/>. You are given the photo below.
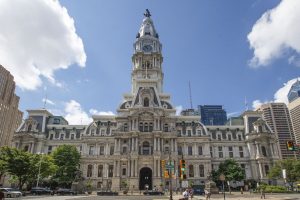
<point x="146" y="102"/>
<point x="56" y="121"/>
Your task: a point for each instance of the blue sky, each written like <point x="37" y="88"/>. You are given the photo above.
<point x="204" y="42"/>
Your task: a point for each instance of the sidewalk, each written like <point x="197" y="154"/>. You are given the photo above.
<point x="239" y="196"/>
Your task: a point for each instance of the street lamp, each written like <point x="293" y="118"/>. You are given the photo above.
<point x="39" y="173"/>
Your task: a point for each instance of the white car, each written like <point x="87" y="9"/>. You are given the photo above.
<point x="10" y="192"/>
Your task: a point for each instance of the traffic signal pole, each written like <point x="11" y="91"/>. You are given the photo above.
<point x="170" y="178"/>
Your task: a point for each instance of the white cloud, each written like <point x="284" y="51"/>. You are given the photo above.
<point x="75" y="114"/>
<point x="257" y="103"/>
<point x="232" y="114"/>
<point x="48" y="101"/>
<point x="275" y="32"/>
<point x="96" y="112"/>
<point x="178" y="109"/>
<point x="281" y="94"/>
<point x="37" y="38"/>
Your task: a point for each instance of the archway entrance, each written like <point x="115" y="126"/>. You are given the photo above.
<point x="145" y="178"/>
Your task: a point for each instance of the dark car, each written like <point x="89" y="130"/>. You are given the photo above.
<point x="41" y="191"/>
<point x="198" y="191"/>
<point x="153" y="192"/>
<point x="64" y="191"/>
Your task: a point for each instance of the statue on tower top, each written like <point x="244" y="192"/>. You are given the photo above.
<point x="147" y="13"/>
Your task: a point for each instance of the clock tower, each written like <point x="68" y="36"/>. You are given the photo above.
<point x="147" y="58"/>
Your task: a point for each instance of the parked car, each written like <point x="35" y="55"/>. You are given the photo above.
<point x="11" y="193"/>
<point x="153" y="192"/>
<point x="41" y="191"/>
<point x="198" y="191"/>
<point x="64" y="191"/>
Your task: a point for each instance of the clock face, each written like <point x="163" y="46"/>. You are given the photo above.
<point x="147" y="48"/>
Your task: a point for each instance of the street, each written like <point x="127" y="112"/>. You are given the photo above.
<point x="233" y="196"/>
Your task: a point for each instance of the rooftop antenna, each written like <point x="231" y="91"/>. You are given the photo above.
<point x="246" y="104"/>
<point x="45" y="99"/>
<point x="190" y="90"/>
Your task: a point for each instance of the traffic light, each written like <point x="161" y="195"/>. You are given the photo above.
<point x="163" y="164"/>
<point x="182" y="169"/>
<point x="290" y="145"/>
<point x="166" y="174"/>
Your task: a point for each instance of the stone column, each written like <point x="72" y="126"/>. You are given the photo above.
<point x="154" y="167"/>
<point x="176" y="149"/>
<point x="118" y="168"/>
<point x="136" y="144"/>
<point x="171" y="140"/>
<point x="115" y="150"/>
<point x="119" y="145"/>
<point x="131" y="168"/>
<point x="154" y="144"/>
<point x="195" y="149"/>
<point x="158" y="140"/>
<point x="95" y="174"/>
<point x="136" y="168"/>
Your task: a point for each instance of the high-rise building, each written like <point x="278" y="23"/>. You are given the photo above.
<point x="294" y="92"/>
<point x="10" y="116"/>
<point x="294" y="107"/>
<point x="278" y="118"/>
<point x="212" y="114"/>
<point x="146" y="132"/>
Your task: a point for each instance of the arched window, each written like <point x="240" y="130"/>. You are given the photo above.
<point x="125" y="127"/>
<point x="266" y="169"/>
<point x="124" y="150"/>
<point x="151" y="127"/>
<point x="141" y="127"/>
<point x="29" y="128"/>
<point x="124" y="172"/>
<point x="166" y="128"/>
<point x="89" y="171"/>
<point x="146" y="148"/>
<point x="263" y="151"/>
<point x="191" y="171"/>
<point x="146" y="127"/>
<point x="146" y="102"/>
<point x="100" y="170"/>
<point x="201" y="170"/>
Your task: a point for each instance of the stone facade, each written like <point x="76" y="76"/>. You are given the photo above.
<point x="130" y="145"/>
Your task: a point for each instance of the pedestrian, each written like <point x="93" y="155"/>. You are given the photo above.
<point x="242" y="191"/>
<point x="262" y="193"/>
<point x="207" y="194"/>
<point x="191" y="192"/>
<point x="186" y="194"/>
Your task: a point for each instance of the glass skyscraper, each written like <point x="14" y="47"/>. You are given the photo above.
<point x="294" y="92"/>
<point x="212" y="114"/>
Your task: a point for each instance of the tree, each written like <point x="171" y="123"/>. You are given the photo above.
<point x="17" y="163"/>
<point x="231" y="169"/>
<point x="25" y="167"/>
<point x="292" y="168"/>
<point x="42" y="166"/>
<point x="2" y="167"/>
<point x="67" y="159"/>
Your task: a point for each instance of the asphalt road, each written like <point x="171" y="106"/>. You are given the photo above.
<point x="234" y="196"/>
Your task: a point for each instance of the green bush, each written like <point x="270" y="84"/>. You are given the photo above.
<point x="275" y="189"/>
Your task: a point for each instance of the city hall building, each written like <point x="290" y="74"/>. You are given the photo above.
<point x="129" y="146"/>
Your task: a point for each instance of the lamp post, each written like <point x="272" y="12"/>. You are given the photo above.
<point x="39" y="173"/>
<point x="222" y="178"/>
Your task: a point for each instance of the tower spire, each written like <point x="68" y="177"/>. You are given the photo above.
<point x="147" y="13"/>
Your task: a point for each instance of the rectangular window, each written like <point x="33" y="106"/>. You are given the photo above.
<point x="190" y="150"/>
<point x="110" y="171"/>
<point x="220" y="154"/>
<point x="100" y="170"/>
<point x="189" y="132"/>
<point x="211" y="151"/>
<point x="101" y="152"/>
<point x="91" y="151"/>
<point x="200" y="151"/>
<point x="241" y="152"/>
<point x="49" y="149"/>
<point x="179" y="150"/>
<point x="112" y="150"/>
<point x="230" y="152"/>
